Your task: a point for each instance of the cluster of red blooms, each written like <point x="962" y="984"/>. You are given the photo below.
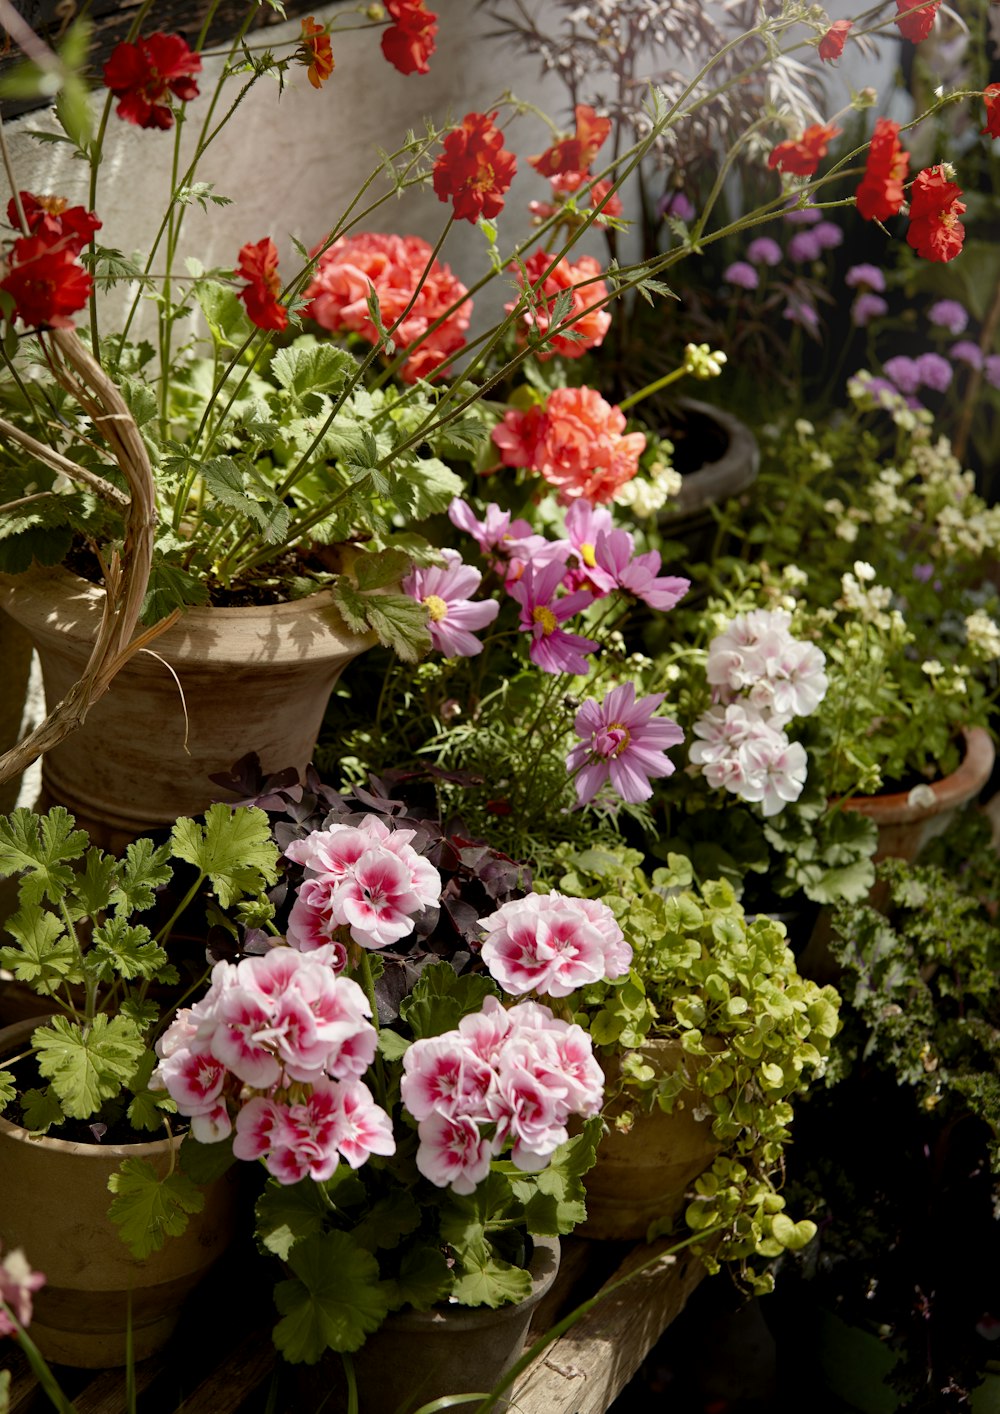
<point x="144" y="74"/>
<point x="408" y="43"/>
<point x="258" y="264"/>
<point x="41" y="273"/>
<point x="567" y="162"/>
<point x="474" y="168"/>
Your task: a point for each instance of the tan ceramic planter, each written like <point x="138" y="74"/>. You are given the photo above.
<point x="253" y="679"/>
<point x="643" y="1175"/>
<point x="54" y="1205"/>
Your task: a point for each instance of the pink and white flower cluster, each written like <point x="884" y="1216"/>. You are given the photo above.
<point x="282" y="1042"/>
<point x="501" y="1076"/>
<point x="17" y="1283"/>
<point x="551" y="944"/>
<point x="761" y="677"/>
<point x="365" y="878"/>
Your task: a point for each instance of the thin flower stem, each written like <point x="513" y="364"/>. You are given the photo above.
<point x="656" y="386"/>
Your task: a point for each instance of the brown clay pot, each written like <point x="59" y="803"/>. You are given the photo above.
<point x="643" y="1175"/>
<point x="247" y="679"/>
<point x="730" y="466"/>
<point x="906" y="821"/>
<point x="54" y="1205"/>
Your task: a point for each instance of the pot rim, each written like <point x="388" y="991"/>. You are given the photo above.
<point x="962" y="785"/>
<point x="543" y="1269"/>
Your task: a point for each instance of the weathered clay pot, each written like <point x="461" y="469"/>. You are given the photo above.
<point x="643" y="1175"/>
<point x="418" y="1356"/>
<point x="906" y="821"/>
<point x="247" y="679"/>
<point x="54" y="1205"/>
<point x="730" y="466"/>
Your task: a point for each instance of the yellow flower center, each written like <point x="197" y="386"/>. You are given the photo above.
<point x="587" y="555"/>
<point x="543" y="615"/>
<point x="436" y="608"/>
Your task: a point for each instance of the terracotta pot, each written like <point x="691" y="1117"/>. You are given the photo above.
<point x="54" y="1206"/>
<point x="643" y="1175"/>
<point x="906" y="821"/>
<point x="730" y="467"/>
<point x="249" y="679"/>
<point x="418" y="1356"/>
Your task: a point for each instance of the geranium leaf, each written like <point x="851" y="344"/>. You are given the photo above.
<point x="46" y="956"/>
<point x="87" y="1068"/>
<point x="203" y="1163"/>
<point x="335" y="1301"/>
<point x="126" y="949"/>
<point x="424" y="1279"/>
<point x="233" y="847"/>
<point x="441" y="998"/>
<point x="387" y="1221"/>
<point x="286" y="1213"/>
<point x="40" y="1110"/>
<point x="144" y="869"/>
<point x="488" y="1281"/>
<point x="148" y="1209"/>
<point x="92" y="894"/>
<point x="560" y="1200"/>
<point x="8" y="1087"/>
<point x="42" y="845"/>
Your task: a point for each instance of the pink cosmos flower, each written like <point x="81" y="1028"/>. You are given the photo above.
<point x="17" y="1283"/>
<point x="552" y="648"/>
<point x="621" y="743"/>
<point x="638" y="574"/>
<point x="577" y="442"/>
<point x="551" y="945"/>
<point x="493" y="532"/>
<point x="453" y="1153"/>
<point x="444" y="591"/>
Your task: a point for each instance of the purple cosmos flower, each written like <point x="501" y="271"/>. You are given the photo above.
<point x="742" y="275"/>
<point x="493" y="530"/>
<point x="868" y="275"/>
<point x="867" y="307"/>
<point x="904" y="373"/>
<point x="992" y="370"/>
<point x="950" y="315"/>
<point x="934" y="371"/>
<point x="764" y="251"/>
<point x="638" y="575"/>
<point x="967" y="352"/>
<point x="828" y="235"/>
<point x="804" y="246"/>
<point x="620" y="743"/>
<point x="444" y="590"/>
<point x="552" y="648"/>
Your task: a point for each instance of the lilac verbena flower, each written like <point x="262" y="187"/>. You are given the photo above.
<point x="764" y="251"/>
<point x="676" y="204"/>
<point x="552" y="648"/>
<point x="742" y="275"/>
<point x="934" y="371"/>
<point x="866" y="308"/>
<point x="799" y="311"/>
<point x="804" y="246"/>
<point x="869" y="276"/>
<point x="965" y="351"/>
<point x="444" y="591"/>
<point x="828" y="236"/>
<point x="903" y="372"/>
<point x="992" y="369"/>
<point x="950" y="315"/>
<point x="620" y="743"/>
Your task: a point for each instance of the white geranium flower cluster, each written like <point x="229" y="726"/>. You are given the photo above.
<point x="761" y="677"/>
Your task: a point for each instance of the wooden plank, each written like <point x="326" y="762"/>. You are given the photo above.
<point x="242" y="1371"/>
<point x="586" y="1369"/>
<point x="106" y="1393"/>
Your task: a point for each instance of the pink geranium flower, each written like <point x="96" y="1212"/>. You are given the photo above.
<point x="453" y="1153"/>
<point x="552" y="648"/>
<point x="577" y="442"/>
<point x="444" y="591"/>
<point x="549" y="944"/>
<point x="621" y="743"/>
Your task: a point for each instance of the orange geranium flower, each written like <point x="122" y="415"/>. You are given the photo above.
<point x="831" y="46"/>
<point x="881" y="193"/>
<point x="475" y="169"/>
<point x="935" y="232"/>
<point x="801" y="156"/>
<point x="316" y="51"/>
<point x="258" y="264"/>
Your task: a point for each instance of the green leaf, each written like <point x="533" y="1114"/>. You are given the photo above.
<point x="287" y="1213"/>
<point x="424" y="1279"/>
<point x="433" y="485"/>
<point x="336" y="1300"/>
<point x="227" y="483"/>
<point x="94" y="886"/>
<point x="169" y="587"/>
<point x="109" y="266"/>
<point x="794" y="1236"/>
<point x="46" y="957"/>
<point x="387" y="1221"/>
<point x="374" y="571"/>
<point x="441" y="998"/>
<point x="40" y="1110"/>
<point x="126" y="949"/>
<point x="203" y="1163"/>
<point x="560" y="1200"/>
<point x="224" y="313"/>
<point x="391" y="1045"/>
<point x="8" y="1087"/>
<point x="147" y="1107"/>
<point x="234" y="848"/>
<point x="486" y="1280"/>
<point x="308" y="366"/>
<point x="148" y="1209"/>
<point x="399" y="623"/>
<point x="145" y="868"/>
<point x="42" y="845"/>
<point x="87" y="1069"/>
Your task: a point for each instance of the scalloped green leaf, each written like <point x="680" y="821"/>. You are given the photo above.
<point x="334" y="1302"/>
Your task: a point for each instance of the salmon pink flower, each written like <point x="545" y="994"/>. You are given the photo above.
<point x="316" y="52"/>
<point x="991" y="98"/>
<point x="258" y="264"/>
<point x="17" y="1282"/>
<point x="621" y="743"/>
<point x="588" y="319"/>
<point x="916" y="22"/>
<point x="143" y="74"/>
<point x="475" y="169"/>
<point x="935" y="232"/>
<point x="881" y="193"/>
<point x="409" y="41"/>
<point x="45" y="280"/>
<point x="552" y="648"/>
<point x="831" y="46"/>
<point x="577" y="443"/>
<point x="444" y="591"/>
<point x="801" y="156"/>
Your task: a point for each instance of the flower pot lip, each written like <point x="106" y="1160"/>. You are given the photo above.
<point x="12" y="1037"/>
<point x="732" y="473"/>
<point x="950" y="791"/>
<point x="543" y="1268"/>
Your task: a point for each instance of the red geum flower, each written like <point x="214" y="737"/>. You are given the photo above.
<point x="880" y="194"/>
<point x="574" y="154"/>
<point x="916" y="23"/>
<point x="935" y="232"/>
<point x="409" y="42"/>
<point x="141" y="76"/>
<point x="475" y="169"/>
<point x="991" y="97"/>
<point x="801" y="156"/>
<point x="54" y="220"/>
<point x="258" y="264"/>
<point x="46" y="282"/>
<point x="316" y="52"/>
<point x="831" y="46"/>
